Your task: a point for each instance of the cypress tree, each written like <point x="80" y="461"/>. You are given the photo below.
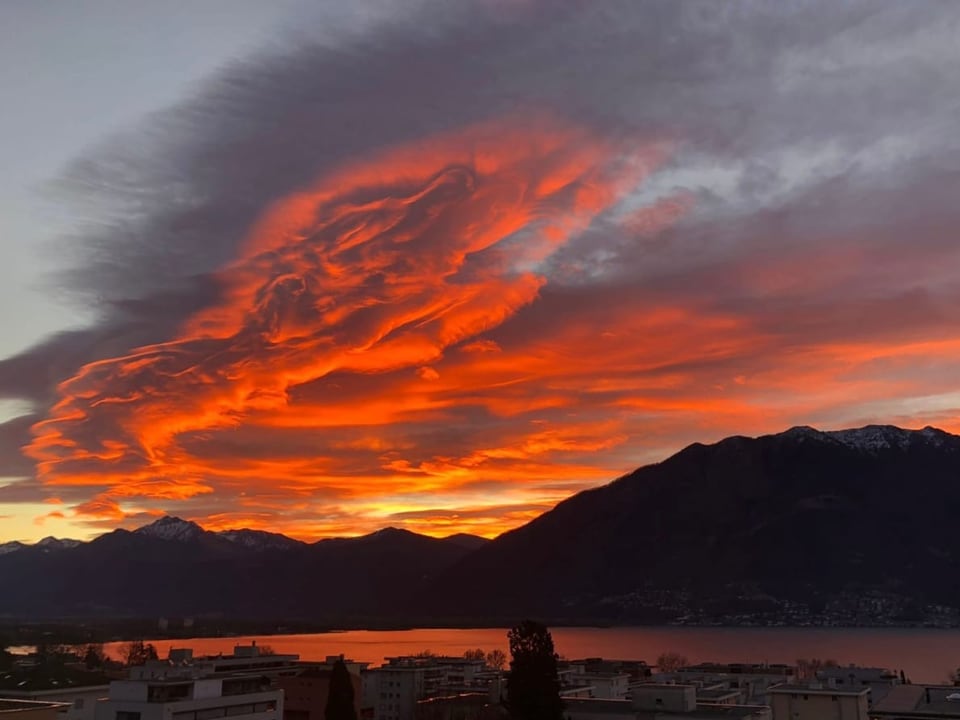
<point x="340" y="699"/>
<point x="533" y="688"/>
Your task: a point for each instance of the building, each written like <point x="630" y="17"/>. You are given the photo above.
<point x="29" y="710"/>
<point x="245" y="659"/>
<point x="750" y="680"/>
<point x="392" y="692"/>
<point x="77" y="703"/>
<point x="679" y="705"/>
<point x="185" y="694"/>
<point x="605" y="680"/>
<point x="879" y="680"/>
<point x="817" y="701"/>
<point x="307" y="692"/>
<point x="463" y="706"/>
<point x="909" y="702"/>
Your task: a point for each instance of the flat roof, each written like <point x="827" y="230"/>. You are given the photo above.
<point x="10" y="706"/>
<point x="708" y="710"/>
<point x="793" y="689"/>
<point x="601" y="705"/>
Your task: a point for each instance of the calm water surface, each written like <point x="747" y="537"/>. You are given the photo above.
<point x="925" y="655"/>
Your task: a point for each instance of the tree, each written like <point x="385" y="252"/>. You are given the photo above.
<point x="475" y="655"/>
<point x="6" y="659"/>
<point x="93" y="656"/>
<point x="137" y="653"/>
<point x="808" y="669"/>
<point x="497" y="659"/>
<point x="533" y="688"/>
<point x="669" y="662"/>
<point x="340" y="705"/>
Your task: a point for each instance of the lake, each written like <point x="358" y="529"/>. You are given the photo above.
<point x="925" y="655"/>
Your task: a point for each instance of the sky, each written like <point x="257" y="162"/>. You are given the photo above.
<point x="323" y="268"/>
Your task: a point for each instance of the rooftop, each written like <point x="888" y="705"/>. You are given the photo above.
<point x="601" y="706"/>
<point x="816" y="689"/>
<point x="14" y="706"/>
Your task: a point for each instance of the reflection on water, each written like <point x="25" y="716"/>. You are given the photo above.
<point x="924" y="655"/>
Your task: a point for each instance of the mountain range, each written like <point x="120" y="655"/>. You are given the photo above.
<point x="801" y="527"/>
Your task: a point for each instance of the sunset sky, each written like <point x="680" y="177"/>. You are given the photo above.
<point x="321" y="268"/>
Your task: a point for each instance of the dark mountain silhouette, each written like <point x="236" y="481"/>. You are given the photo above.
<point x="834" y="521"/>
<point x="173" y="567"/>
<point x="852" y="526"/>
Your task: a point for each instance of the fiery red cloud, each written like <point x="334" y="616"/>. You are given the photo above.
<point x="326" y="338"/>
<point x="366" y="363"/>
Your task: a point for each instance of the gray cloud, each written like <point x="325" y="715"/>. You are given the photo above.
<point x="818" y="136"/>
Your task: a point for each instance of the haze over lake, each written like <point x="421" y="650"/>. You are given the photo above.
<point x="925" y="655"/>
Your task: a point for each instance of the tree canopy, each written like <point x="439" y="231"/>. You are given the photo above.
<point x="533" y="688"/>
<point x="137" y="653"/>
<point x="340" y="701"/>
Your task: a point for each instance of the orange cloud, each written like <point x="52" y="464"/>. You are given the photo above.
<point x="343" y="300"/>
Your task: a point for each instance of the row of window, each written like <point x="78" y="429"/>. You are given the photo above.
<point x="221" y="712"/>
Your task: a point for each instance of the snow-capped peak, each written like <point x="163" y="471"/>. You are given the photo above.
<point x="171" y="528"/>
<point x="12" y="546"/>
<point x="52" y="543"/>
<point x="258" y="539"/>
<point x="881" y="437"/>
<point x="874" y="437"/>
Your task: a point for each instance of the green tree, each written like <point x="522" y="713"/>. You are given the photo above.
<point x="340" y="704"/>
<point x="533" y="688"/>
<point x="137" y="653"/>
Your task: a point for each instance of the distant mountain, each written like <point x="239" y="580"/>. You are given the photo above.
<point x="9" y="547"/>
<point x="260" y="540"/>
<point x="173" y="567"/>
<point x="843" y="527"/>
<point x="52" y="544"/>
<point x="467" y="541"/>
<point x="802" y="526"/>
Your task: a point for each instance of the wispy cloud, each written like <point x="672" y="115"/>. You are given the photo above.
<point x="448" y="265"/>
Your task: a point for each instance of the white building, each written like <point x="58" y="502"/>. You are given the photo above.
<point x="185" y="696"/>
<point x="76" y="703"/>
<point x="391" y="692"/>
<point x="816" y="701"/>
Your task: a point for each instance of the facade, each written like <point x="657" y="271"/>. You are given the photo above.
<point x="750" y="680"/>
<point x="305" y="695"/>
<point x="815" y="701"/>
<point x="911" y="702"/>
<point x="77" y="703"/>
<point x="391" y="693"/>
<point x="245" y="659"/>
<point x="879" y="680"/>
<point x="185" y="696"/>
<point x="11" y="709"/>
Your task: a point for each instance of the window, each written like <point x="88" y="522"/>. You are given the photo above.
<point x="127" y="715"/>
<point x="239" y="710"/>
<point x="211" y="713"/>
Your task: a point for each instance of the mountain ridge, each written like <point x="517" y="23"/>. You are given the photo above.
<point x="801" y="526"/>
